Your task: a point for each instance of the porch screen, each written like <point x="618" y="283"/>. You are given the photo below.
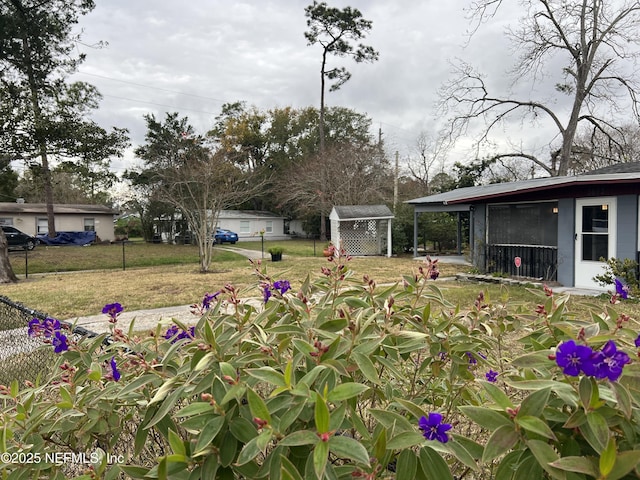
<point x="524" y="224"/>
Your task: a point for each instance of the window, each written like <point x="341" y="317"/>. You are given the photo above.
<point x="524" y="224"/>
<point x="269" y="226"/>
<point x="245" y="226"/>
<point x="6" y="221"/>
<point x="89" y="224"/>
<point x="42" y="226"/>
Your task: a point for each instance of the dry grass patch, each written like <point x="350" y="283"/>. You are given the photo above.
<point x="70" y="295"/>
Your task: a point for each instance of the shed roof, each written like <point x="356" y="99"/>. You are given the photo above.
<point x="58" y="208"/>
<point x="361" y="212"/>
<point x="498" y="190"/>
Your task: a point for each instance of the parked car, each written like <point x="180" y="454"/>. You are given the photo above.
<point x="221" y="236"/>
<point x="17" y="239"/>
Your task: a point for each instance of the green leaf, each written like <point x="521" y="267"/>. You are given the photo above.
<point x="195" y="408"/>
<point x="321" y="415"/>
<point x="625" y="462"/>
<point x="288" y="471"/>
<point x="208" y="433"/>
<point x="497" y="395"/>
<point x="546" y="455"/>
<point x="534" y="403"/>
<point x="300" y="437"/>
<point x="253" y="448"/>
<point x="176" y="444"/>
<point x="320" y="457"/>
<point x="596" y="431"/>
<point x="269" y="375"/>
<point x="411" y="407"/>
<point x="500" y="441"/>
<point x="392" y="420"/>
<point x="608" y="458"/>
<point x="623" y="397"/>
<point x="459" y="451"/>
<point x="576" y="465"/>
<point x="166" y="406"/>
<point x="405" y="440"/>
<point x="486" y="417"/>
<point x="203" y="362"/>
<point x="433" y="465"/>
<point x="345" y="391"/>
<point x="366" y="367"/>
<point x="407" y="465"/>
<point x="535" y="425"/>
<point x="257" y="406"/>
<point x="346" y="447"/>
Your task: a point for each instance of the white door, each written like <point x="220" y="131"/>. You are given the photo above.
<point x="595" y="238"/>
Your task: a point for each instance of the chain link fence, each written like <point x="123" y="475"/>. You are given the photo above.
<point x="21" y="357"/>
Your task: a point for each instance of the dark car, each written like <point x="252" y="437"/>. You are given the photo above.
<point x="222" y="236"/>
<point x="18" y="239"/>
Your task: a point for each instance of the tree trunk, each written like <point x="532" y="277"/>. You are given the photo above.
<point x="6" y="272"/>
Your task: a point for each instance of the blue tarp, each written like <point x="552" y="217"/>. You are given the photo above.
<point x="68" y="238"/>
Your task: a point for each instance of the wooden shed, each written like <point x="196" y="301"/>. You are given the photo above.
<point x="362" y="229"/>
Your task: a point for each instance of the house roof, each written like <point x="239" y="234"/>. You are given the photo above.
<point x="58" y="208"/>
<point x="361" y="212"/>
<point x="248" y="214"/>
<point x="499" y="190"/>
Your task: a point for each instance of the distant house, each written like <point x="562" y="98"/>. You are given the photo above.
<point x="559" y="227"/>
<point x="31" y="218"/>
<point x="249" y="223"/>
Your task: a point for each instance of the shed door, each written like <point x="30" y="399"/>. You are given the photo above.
<point x="595" y="238"/>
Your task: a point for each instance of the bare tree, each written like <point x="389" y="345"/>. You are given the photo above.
<point x="430" y="152"/>
<point x="198" y="181"/>
<point x="345" y="174"/>
<point x="598" y="42"/>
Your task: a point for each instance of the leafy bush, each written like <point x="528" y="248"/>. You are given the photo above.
<point x="343" y="379"/>
<point x="620" y="270"/>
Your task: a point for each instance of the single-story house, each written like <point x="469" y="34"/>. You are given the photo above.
<point x="31" y="218"/>
<point x="559" y="227"/>
<point x="362" y="229"/>
<point x="249" y="223"/>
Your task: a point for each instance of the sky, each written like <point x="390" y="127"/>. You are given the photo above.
<point x="192" y="57"/>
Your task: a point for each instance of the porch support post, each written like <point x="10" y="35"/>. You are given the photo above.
<point x="459" y="235"/>
<point x="415" y="233"/>
<point x="389" y="249"/>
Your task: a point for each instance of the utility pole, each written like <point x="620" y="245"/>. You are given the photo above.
<point x="395" y="184"/>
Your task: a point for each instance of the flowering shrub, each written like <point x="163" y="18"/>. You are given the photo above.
<point x="340" y="378"/>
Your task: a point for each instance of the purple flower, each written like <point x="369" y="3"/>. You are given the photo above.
<point x="115" y="373"/>
<point x="175" y="333"/>
<point x="266" y="293"/>
<point x="622" y="290"/>
<point x="112" y="310"/>
<point x="608" y="362"/>
<point x="282" y="286"/>
<point x="433" y="428"/>
<point x="59" y="342"/>
<point x="472" y="359"/>
<point x="574" y="358"/>
<point x="637" y="342"/>
<point x="34" y="327"/>
<point x="208" y="298"/>
<point x="491" y="376"/>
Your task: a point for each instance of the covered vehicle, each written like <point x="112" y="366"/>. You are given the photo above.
<point x="69" y="238"/>
<point x="17" y="239"/>
<point x="221" y="236"/>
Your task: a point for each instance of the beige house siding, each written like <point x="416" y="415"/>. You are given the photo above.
<point x="69" y="218"/>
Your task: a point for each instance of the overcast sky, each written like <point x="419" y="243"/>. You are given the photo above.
<point x="194" y="56"/>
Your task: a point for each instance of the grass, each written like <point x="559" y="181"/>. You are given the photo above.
<point x="167" y="275"/>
